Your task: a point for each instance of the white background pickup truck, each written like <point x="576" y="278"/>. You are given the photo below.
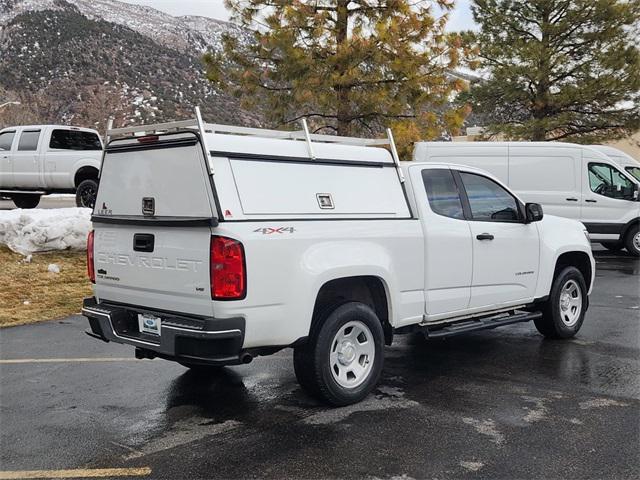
<point x="213" y="245"/>
<point x="41" y="159"/>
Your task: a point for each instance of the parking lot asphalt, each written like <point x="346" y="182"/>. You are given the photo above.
<point x="504" y="403"/>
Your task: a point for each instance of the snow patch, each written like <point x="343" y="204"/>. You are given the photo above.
<point x="472" y="466"/>
<point x="486" y="427"/>
<point x="601" y="403"/>
<point x="370" y="404"/>
<point x="53" y="268"/>
<point x="42" y="230"/>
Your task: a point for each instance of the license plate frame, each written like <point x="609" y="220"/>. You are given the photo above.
<point x="149" y="324"/>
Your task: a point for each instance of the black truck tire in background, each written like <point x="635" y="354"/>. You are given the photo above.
<point x="86" y="193"/>
<point x="614" y="246"/>
<point x="26" y="200"/>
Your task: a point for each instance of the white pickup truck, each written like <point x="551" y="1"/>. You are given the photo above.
<point x="215" y="244"/>
<point x="38" y="160"/>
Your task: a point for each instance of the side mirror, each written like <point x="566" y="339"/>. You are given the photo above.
<point x="636" y="192"/>
<point x="533" y="212"/>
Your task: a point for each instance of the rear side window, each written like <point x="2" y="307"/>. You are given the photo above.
<point x="635" y="171"/>
<point x="6" y="139"/>
<point x="442" y="193"/>
<point x="29" y="140"/>
<point x="489" y="202"/>
<point x="74" y="140"/>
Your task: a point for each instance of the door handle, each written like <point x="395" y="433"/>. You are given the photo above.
<point x="591" y="201"/>
<point x="484" y="236"/>
<point x="572" y="199"/>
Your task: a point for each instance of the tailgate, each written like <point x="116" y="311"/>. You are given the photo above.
<point x="153" y="217"/>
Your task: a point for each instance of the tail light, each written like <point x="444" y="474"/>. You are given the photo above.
<point x="90" y="268"/>
<point x="228" y="269"/>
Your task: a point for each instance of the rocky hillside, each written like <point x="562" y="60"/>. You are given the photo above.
<point x="80" y="61"/>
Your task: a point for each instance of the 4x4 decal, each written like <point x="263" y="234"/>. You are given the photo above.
<point x="271" y="230"/>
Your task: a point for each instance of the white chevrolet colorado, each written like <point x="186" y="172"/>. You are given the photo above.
<point x="213" y="245"/>
<point x="38" y="160"/>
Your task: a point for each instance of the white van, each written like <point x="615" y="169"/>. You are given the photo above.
<point x="569" y="180"/>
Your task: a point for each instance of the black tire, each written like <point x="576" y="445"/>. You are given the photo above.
<point x="86" y="193"/>
<point x="312" y="360"/>
<point x="26" y="200"/>
<point x="632" y="241"/>
<point x="553" y="323"/>
<point x="613" y="246"/>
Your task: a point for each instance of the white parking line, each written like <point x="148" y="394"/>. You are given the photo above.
<point x="69" y="360"/>
<point x="78" y="473"/>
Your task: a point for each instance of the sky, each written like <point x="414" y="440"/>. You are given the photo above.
<point x="460" y="18"/>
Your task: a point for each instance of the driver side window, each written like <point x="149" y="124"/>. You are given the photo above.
<point x="489" y="202"/>
<point x="607" y="181"/>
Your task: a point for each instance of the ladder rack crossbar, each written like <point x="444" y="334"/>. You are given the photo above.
<point x="292" y="135"/>
<point x="197" y="124"/>
<point x="157" y="127"/>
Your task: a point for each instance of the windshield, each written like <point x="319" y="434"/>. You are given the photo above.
<point x="635" y="171"/>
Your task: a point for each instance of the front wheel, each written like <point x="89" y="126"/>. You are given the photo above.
<point x="86" y="193"/>
<point x="563" y="313"/>
<point x="632" y="241"/>
<point x="343" y="358"/>
<point x="26" y="200"/>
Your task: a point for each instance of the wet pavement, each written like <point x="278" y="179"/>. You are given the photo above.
<point x="499" y="404"/>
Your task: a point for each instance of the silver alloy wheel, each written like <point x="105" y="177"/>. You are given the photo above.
<point x="570" y="303"/>
<point x="636" y="241"/>
<point x="352" y="354"/>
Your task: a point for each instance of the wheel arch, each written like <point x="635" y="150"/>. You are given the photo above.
<point x="630" y="224"/>
<point x="578" y="259"/>
<point x="85" y="172"/>
<point x="372" y="290"/>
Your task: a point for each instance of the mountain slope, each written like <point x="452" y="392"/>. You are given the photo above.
<point x="81" y="61"/>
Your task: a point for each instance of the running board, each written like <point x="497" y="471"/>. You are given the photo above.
<point x="486" y="323"/>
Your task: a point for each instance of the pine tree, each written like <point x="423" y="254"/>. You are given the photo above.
<point x="349" y="67"/>
<point x="558" y="69"/>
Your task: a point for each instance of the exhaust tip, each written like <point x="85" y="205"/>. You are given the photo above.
<point x="246" y="358"/>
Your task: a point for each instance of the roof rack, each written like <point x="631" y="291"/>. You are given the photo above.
<point x="303" y="135"/>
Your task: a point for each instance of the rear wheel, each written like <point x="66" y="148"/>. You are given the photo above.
<point x="26" y="200"/>
<point x="563" y="313"/>
<point x="343" y="359"/>
<point x="613" y="246"/>
<point x="632" y="241"/>
<point x="86" y="193"/>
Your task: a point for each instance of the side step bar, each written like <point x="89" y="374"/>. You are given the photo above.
<point x="480" y="324"/>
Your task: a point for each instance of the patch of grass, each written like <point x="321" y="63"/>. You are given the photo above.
<point x="30" y="293"/>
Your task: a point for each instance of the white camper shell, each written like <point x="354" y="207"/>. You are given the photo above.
<point x="569" y="180"/>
